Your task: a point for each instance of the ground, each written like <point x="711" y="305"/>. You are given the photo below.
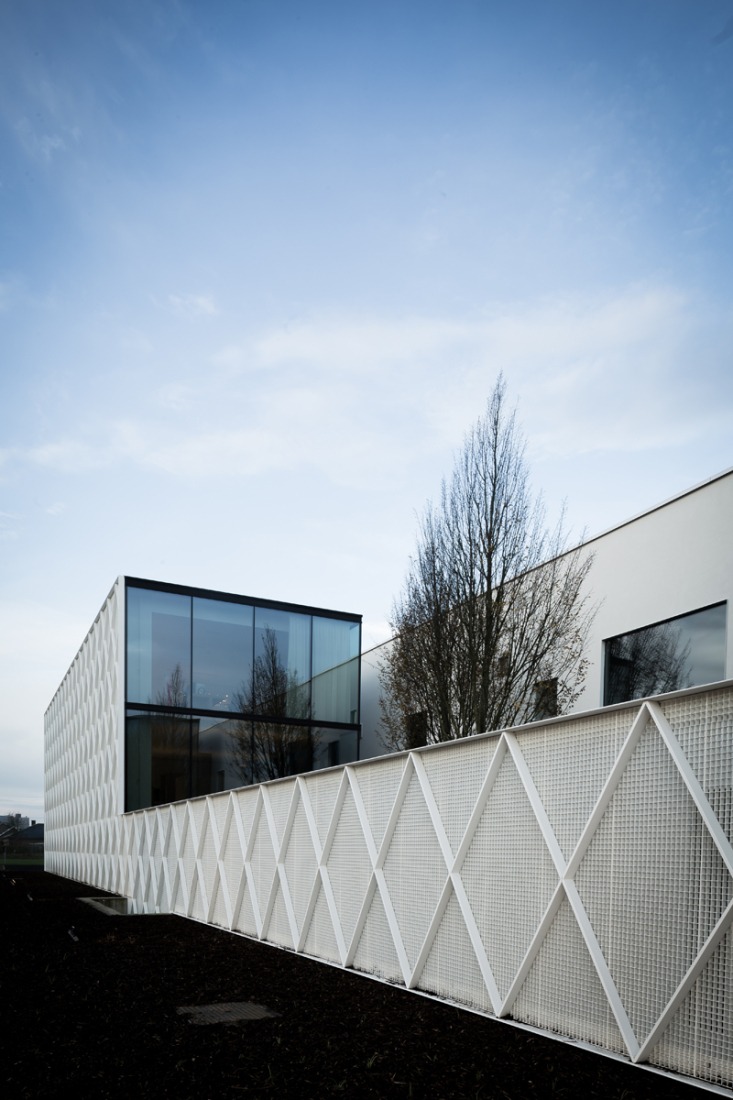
<point x="90" y="1009"/>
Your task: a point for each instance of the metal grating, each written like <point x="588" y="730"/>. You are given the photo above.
<point x="575" y="876"/>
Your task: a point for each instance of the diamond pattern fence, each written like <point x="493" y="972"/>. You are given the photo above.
<point x="576" y="876"/>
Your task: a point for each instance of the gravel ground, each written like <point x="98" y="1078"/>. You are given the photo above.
<point x="90" y="1009"/>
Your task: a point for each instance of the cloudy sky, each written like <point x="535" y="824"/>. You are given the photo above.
<point x="262" y="261"/>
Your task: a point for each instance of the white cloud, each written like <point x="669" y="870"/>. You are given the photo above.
<point x="178" y="396"/>
<point x="346" y="344"/>
<point x="38" y="145"/>
<point x="193" y="305"/>
<point x="591" y="373"/>
<point x="361" y="399"/>
<point x="8" y="527"/>
<point x="69" y="456"/>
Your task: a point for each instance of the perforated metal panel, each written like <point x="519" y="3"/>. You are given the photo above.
<point x="82" y="728"/>
<point x="575" y="876"/>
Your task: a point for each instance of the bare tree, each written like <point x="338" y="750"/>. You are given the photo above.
<point x="491" y="623"/>
<point x="268" y="741"/>
<point x="171" y="740"/>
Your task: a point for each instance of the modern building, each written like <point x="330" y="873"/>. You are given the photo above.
<point x="662" y="587"/>
<point x="178" y="692"/>
<point x="573" y="875"/>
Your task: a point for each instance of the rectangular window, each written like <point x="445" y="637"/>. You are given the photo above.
<point x="335" y="689"/>
<point x="545" y="699"/>
<point x="157" y="759"/>
<point x="222" y="691"/>
<point x="158" y="648"/>
<point x="678" y="653"/>
<point x="221" y="654"/>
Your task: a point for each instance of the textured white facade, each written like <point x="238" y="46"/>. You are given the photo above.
<point x="83" y="755"/>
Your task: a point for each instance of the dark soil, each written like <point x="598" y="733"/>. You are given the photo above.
<point x="89" y="1010"/>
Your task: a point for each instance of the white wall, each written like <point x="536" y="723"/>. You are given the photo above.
<point x="371" y="743"/>
<point x="673" y="559"/>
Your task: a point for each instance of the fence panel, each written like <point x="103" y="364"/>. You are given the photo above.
<point x="575" y="876"/>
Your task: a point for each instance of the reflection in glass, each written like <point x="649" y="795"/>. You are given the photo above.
<point x="292" y="633"/>
<point x="158" y="641"/>
<point x="282" y="742"/>
<point x="336" y="747"/>
<point x="222" y="652"/>
<point x="213" y="765"/>
<point x="224" y="692"/>
<point x="157" y="759"/>
<point x="335" y="688"/>
<point x="678" y="653"/>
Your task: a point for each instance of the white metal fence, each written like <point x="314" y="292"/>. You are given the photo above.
<point x="576" y="876"/>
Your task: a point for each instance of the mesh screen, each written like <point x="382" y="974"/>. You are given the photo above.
<point x="508" y="875"/>
<point x="321" y="939"/>
<point x="703" y="725"/>
<point x="262" y="862"/>
<point x="569" y="763"/>
<point x="414" y="870"/>
<point x="349" y="867"/>
<point x="451" y="970"/>
<point x="322" y="789"/>
<point x="219" y="914"/>
<point x="652" y="882"/>
<point x="376" y="952"/>
<point x="280" y="796"/>
<point x="208" y="869"/>
<point x="449" y="771"/>
<point x="300" y="864"/>
<point x="699" y="1039"/>
<point x="378" y="784"/>
<point x="563" y="992"/>
<point x="246" y="806"/>
<point x="278" y="929"/>
<point x="232" y="858"/>
<point x="243" y="917"/>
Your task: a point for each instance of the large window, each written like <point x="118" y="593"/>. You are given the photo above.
<point x="221" y="653"/>
<point x="678" y="653"/>
<point x="223" y="691"/>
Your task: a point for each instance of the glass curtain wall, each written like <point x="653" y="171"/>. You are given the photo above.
<point x="222" y="692"/>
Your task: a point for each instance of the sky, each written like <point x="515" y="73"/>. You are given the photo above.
<point x="262" y="262"/>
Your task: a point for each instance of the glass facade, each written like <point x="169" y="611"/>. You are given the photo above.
<point x="679" y="653"/>
<point x="223" y="691"/>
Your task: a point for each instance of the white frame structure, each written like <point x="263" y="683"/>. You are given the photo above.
<point x="575" y="876"/>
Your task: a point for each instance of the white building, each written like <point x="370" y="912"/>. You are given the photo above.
<point x="662" y="582"/>
<point x="574" y="875"/>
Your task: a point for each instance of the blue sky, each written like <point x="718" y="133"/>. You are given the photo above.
<point x="262" y="262"/>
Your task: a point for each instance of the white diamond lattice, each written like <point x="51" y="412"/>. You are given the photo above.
<point x="517" y="874"/>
